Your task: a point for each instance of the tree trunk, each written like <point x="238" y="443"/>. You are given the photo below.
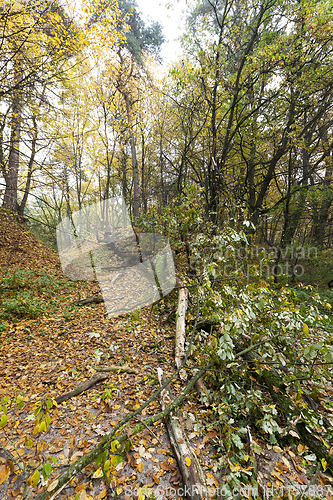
<point x="11" y="178"/>
<point x="23" y="203"/>
<point x="193" y="476"/>
<point x="136" y="205"/>
<point x="320" y="222"/>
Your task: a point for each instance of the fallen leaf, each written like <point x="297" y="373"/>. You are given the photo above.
<point x="140" y="467"/>
<point x="98" y="473"/>
<point x="280" y="467"/>
<point x="300" y="448"/>
<point x="301" y="479"/>
<point x="80" y="487"/>
<point x="277" y="475"/>
<point x="156" y="479"/>
<point x="4" y="473"/>
<point x="52" y="485"/>
<point x="188" y="461"/>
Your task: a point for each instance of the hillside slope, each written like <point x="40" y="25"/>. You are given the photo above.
<point x="20" y="248"/>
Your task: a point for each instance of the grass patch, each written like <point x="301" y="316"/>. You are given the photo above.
<point x="27" y="294"/>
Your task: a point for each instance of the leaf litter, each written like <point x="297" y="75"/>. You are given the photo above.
<point x="56" y="350"/>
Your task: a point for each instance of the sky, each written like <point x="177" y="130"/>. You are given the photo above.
<point x="171" y="21"/>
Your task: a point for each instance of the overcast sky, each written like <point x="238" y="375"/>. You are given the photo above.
<point x="170" y="19"/>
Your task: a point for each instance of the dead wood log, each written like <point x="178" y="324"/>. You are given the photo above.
<point x="115" y="368"/>
<point x="104" y="444"/>
<point x="277" y="389"/>
<point x="193" y="476"/>
<point x="180" y="324"/>
<point x="181" y="337"/>
<point x="87" y="301"/>
<point x="81" y="388"/>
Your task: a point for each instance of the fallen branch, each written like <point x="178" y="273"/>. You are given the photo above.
<point x="180" y="341"/>
<point x="115" y="368"/>
<point x="180" y="326"/>
<point x="276" y="387"/>
<point x="81" y="388"/>
<point x="193" y="477"/>
<point x="105" y="443"/>
<point x="88" y="300"/>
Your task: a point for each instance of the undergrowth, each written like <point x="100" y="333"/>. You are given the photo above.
<point x="27" y="294"/>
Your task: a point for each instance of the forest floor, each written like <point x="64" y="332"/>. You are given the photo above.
<point x="49" y="347"/>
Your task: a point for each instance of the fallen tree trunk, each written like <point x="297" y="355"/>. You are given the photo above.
<point x="193" y="477"/>
<point x="105" y="443"/>
<point x="115" y="368"/>
<point x="180" y="326"/>
<point x="180" y="340"/>
<point x="81" y="388"/>
<point x="277" y="390"/>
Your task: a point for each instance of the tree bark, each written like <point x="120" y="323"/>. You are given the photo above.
<point x="193" y="477"/>
<point x="115" y="368"/>
<point x="11" y="177"/>
<point x="136" y="204"/>
<point x="180" y="324"/>
<point x="23" y="203"/>
<point x="81" y="388"/>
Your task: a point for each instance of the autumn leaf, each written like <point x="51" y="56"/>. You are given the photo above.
<point x="4" y="473"/>
<point x="156" y="479"/>
<point x="187" y="461"/>
<point x="34" y="479"/>
<point x="98" y="473"/>
<point x="140" y="467"/>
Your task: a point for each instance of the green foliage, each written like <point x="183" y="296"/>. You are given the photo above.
<point x="140" y="38"/>
<point x="106" y="393"/>
<point x="180" y="221"/>
<point x="288" y="329"/>
<point x="27" y="294"/>
<point x="319" y="268"/>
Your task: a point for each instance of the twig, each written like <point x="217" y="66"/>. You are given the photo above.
<point x="151" y="432"/>
<point x="22" y="468"/>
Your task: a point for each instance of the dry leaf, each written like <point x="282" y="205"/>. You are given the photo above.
<point x="277" y="475"/>
<point x="156" y="479"/>
<point x="140" y="467"/>
<point x="52" y="485"/>
<point x="80" y="487"/>
<point x="300" y="448"/>
<point x="98" y="473"/>
<point x="188" y="461"/>
<point x="4" y="473"/>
